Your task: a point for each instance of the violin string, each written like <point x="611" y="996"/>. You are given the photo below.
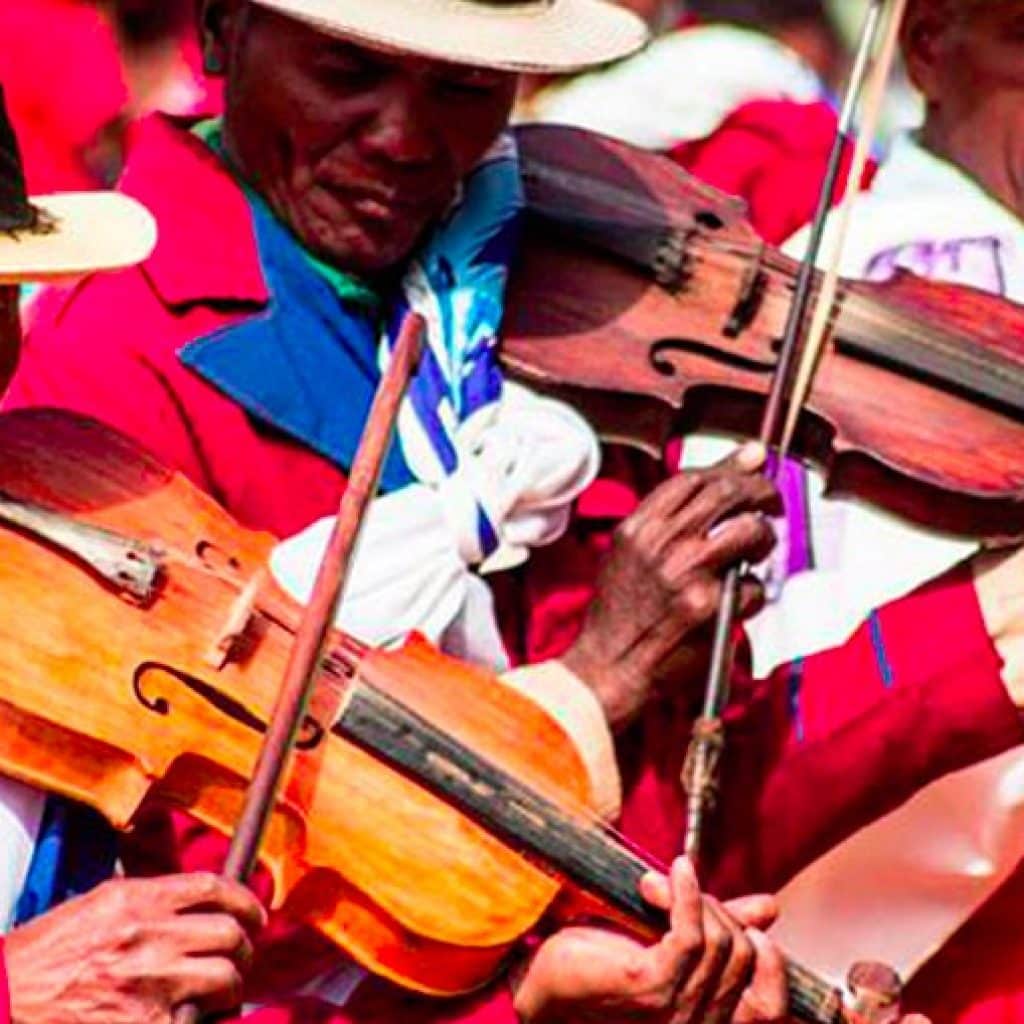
<point x="825" y="306"/>
<point x="580" y="810"/>
<point x="805" y="986"/>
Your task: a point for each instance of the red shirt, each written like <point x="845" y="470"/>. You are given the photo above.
<point x="816" y="751"/>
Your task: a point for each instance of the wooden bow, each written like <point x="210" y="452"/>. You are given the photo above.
<point x="304" y="661"/>
<point x="794" y="374"/>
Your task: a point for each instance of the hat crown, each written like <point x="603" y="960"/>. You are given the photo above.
<point x="16" y="212"/>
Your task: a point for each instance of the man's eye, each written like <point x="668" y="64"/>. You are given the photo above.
<point x="349" y="71"/>
<point x="472" y="81"/>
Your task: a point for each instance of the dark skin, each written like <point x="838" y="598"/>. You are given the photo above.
<point x="646" y="627"/>
<point x="359" y="152"/>
<point x="967" y="58"/>
<point x="132" y="951"/>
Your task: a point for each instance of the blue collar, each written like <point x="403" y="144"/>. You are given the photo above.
<point x="307" y="364"/>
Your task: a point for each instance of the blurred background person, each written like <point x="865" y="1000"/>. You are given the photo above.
<point x="77" y="73"/>
<point x="739" y="92"/>
<point x="61" y="70"/>
<point x="687" y="82"/>
<point x="162" y="61"/>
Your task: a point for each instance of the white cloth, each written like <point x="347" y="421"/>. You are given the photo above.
<point x="901" y="887"/>
<point x="413" y="567"/>
<point x="682" y="87"/>
<point x="21" y="811"/>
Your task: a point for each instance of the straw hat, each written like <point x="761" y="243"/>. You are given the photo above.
<point x="46" y="238"/>
<point x="508" y="35"/>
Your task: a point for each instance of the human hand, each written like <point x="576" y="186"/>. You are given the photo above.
<point x="132" y="950"/>
<point x="663" y="582"/>
<point x="713" y="965"/>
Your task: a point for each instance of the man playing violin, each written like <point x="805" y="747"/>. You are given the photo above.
<point x="360" y="170"/>
<point x="133" y="949"/>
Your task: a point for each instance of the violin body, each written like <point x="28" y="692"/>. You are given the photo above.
<point x="115" y="699"/>
<point x="430" y="815"/>
<point x="646" y="299"/>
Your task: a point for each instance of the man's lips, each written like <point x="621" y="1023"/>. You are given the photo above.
<point x="387" y="203"/>
<point x="383" y="209"/>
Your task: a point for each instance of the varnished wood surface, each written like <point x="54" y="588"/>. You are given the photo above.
<point x="110" y="703"/>
<point x="644" y="361"/>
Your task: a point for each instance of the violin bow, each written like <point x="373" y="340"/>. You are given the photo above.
<point x="304" y="661"/>
<point x="792" y="382"/>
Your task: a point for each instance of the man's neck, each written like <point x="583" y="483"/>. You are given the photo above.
<point x="993" y="176"/>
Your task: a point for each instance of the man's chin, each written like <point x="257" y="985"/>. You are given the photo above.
<point x="364" y="253"/>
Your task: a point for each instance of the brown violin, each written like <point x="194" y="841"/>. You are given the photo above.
<point x="430" y="816"/>
<point x="646" y="299"/>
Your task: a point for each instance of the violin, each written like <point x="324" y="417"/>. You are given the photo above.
<point x="430" y="816"/>
<point x="646" y="299"/>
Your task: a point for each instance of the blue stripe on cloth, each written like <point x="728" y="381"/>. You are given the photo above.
<point x="795" y="693"/>
<point x="486" y="534"/>
<point x="75" y="850"/>
<point x="885" y="669"/>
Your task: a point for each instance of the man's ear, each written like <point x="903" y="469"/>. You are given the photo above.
<point x="925" y="40"/>
<point x="220" y="22"/>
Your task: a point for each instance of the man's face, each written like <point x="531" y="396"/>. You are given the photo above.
<point x="356" y="150"/>
<point x="10" y="334"/>
<point x="969" y="62"/>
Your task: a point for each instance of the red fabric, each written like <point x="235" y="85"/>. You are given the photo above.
<point x="773" y="154"/>
<point x="977" y="977"/>
<point x="61" y="71"/>
<point x="5" y="995"/>
<point x="108" y="348"/>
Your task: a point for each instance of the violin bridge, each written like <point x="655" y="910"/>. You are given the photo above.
<point x="240" y="616"/>
<point x="671" y="265"/>
<point x="749" y="301"/>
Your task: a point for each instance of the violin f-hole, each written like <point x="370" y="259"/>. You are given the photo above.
<point x="153" y="682"/>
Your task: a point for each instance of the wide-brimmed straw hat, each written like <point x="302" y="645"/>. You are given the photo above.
<point x="54" y="237"/>
<point x="508" y="35"/>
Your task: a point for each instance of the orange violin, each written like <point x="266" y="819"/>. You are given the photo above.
<point x="431" y="815"/>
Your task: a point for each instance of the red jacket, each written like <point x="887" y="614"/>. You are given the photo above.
<point x="817" y="750"/>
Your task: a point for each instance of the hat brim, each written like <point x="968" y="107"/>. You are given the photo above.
<point x="90" y="231"/>
<point x="557" y="37"/>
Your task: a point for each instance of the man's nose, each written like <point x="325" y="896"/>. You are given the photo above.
<point x="403" y="130"/>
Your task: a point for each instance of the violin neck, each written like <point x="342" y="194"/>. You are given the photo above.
<point x="581" y="851"/>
